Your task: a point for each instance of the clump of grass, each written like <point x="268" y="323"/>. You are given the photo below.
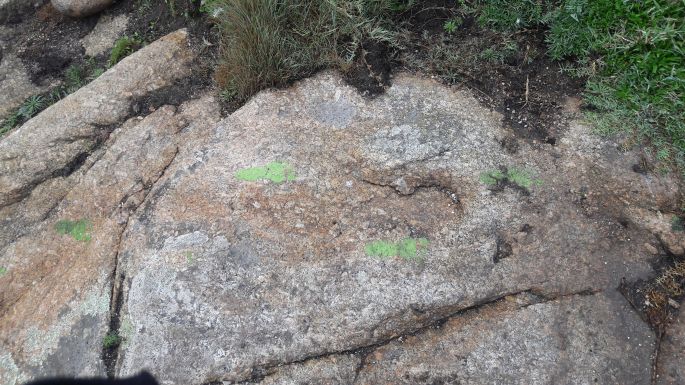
<point x="500" y="53"/>
<point x="451" y="25"/>
<point x="637" y="79"/>
<point x="123" y="47"/>
<point x="3" y="271"/>
<point x="509" y="15"/>
<point x="75" y="77"/>
<point x="111" y="340"/>
<point x="271" y="42"/>
<point x="31" y="106"/>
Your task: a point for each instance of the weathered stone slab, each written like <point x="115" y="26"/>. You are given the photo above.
<point x="314" y="221"/>
<point x="579" y="340"/>
<point x="52" y="143"/>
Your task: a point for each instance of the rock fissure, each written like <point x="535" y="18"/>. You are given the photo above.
<point x="259" y="374"/>
<point x="118" y="277"/>
<point x="408" y="191"/>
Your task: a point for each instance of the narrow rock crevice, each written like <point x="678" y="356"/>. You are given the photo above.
<point x="258" y="374"/>
<point x="404" y="190"/>
<point x="110" y="355"/>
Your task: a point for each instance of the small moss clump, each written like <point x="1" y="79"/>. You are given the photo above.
<point x="79" y="230"/>
<point x="122" y="48"/>
<point x="515" y="176"/>
<point x="111" y="340"/>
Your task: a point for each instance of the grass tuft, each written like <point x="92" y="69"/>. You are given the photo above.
<point x="269" y="43"/>
<point x="111" y="340"/>
<point x="123" y="47"/>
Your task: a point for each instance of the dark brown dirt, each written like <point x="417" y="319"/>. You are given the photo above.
<point x="48" y="42"/>
<point x="523" y="84"/>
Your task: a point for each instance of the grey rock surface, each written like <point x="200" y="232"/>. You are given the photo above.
<point x="229" y="273"/>
<point x="671" y="365"/>
<point x="53" y="142"/>
<point x="317" y="236"/>
<point x="593" y="339"/>
<point x="59" y="244"/>
<point x="106" y="32"/>
<point x="15" y="85"/>
<point x="80" y="8"/>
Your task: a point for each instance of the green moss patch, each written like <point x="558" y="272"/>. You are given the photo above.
<point x="521" y="178"/>
<point x="408" y="248"/>
<point x="3" y="271"/>
<point x="111" y="340"/>
<point x="79" y="230"/>
<point x="276" y="172"/>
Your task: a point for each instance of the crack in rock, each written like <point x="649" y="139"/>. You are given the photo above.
<point x="259" y="374"/>
<point x="111" y="354"/>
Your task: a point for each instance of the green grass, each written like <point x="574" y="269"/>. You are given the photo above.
<point x="75" y="77"/>
<point x="632" y="53"/>
<point x="451" y="25"/>
<point x="111" y="340"/>
<point x="3" y="271"/>
<point x="510" y="15"/>
<point x="634" y="56"/>
<point x="272" y="42"/>
<point x="123" y="47"/>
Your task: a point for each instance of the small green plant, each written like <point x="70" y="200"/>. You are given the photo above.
<point x="123" y="47"/>
<point x="10" y="122"/>
<point x="401" y="5"/>
<point x="111" y="340"/>
<point x="75" y="77"/>
<point x="678" y="224"/>
<point x="144" y="5"/>
<point x="499" y="53"/>
<point x="408" y="249"/>
<point x="511" y="15"/>
<point x="3" y="271"/>
<point x="31" y="106"/>
<point x="451" y="25"/>
<point x="515" y="176"/>
<point x="79" y="230"/>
